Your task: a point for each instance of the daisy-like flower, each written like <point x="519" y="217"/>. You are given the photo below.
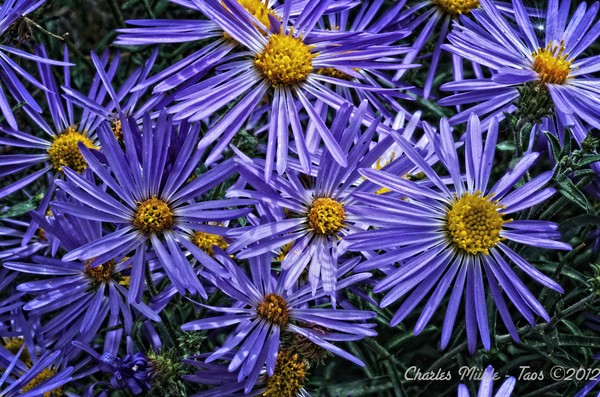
<point x="313" y="217"/>
<point x="525" y="68"/>
<point x="281" y="60"/>
<point x="26" y="368"/>
<point x="197" y="64"/>
<point x="26" y="375"/>
<point x="287" y="380"/>
<point x="486" y="386"/>
<point x="432" y="19"/>
<point x="12" y="12"/>
<point x="151" y="205"/>
<point x="441" y="236"/>
<point x="264" y="309"/>
<point x="79" y="294"/>
<point x="60" y="148"/>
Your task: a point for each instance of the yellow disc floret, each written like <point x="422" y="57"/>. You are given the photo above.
<point x="551" y="64"/>
<point x="117" y="129"/>
<point x="43" y="376"/>
<point x="335" y="73"/>
<point x="206" y="242"/>
<point x="260" y="10"/>
<point x="286" y="60"/>
<point x="153" y="216"/>
<point x="100" y="273"/>
<point x="13" y="345"/>
<point x="288" y="377"/>
<point x="473" y="223"/>
<point x="456" y="7"/>
<point x="274" y="309"/>
<point x="64" y="150"/>
<point x="326" y="216"/>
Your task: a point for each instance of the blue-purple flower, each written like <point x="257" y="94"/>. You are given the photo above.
<point x="442" y="235"/>
<point x="554" y="66"/>
<point x="263" y="309"/>
<point x="155" y="206"/>
<point x="79" y="295"/>
<point x="312" y="215"/>
<point x="281" y="61"/>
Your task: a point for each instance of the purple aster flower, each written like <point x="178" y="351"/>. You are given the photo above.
<point x="487" y="384"/>
<point x="316" y="215"/>
<point x="26" y="375"/>
<point x="26" y="367"/>
<point x="10" y="12"/>
<point x="264" y="309"/>
<point x="281" y="61"/>
<point x="442" y="236"/>
<point x="79" y="294"/>
<point x="553" y="67"/>
<point x="194" y="66"/>
<point x="133" y="371"/>
<point x="60" y="146"/>
<point x="287" y="380"/>
<point x="155" y="206"/>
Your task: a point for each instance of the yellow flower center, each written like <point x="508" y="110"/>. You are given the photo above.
<point x="64" y="150"/>
<point x="13" y="345"/>
<point x="153" y="216"/>
<point x="326" y="216"/>
<point x="43" y="376"/>
<point x="284" y="251"/>
<point x="206" y="242"/>
<point x="288" y="377"/>
<point x="286" y="60"/>
<point x="100" y="273"/>
<point x="117" y="129"/>
<point x="551" y="64"/>
<point x="456" y="7"/>
<point x="260" y="10"/>
<point x="333" y="72"/>
<point x="274" y="309"/>
<point x="473" y="223"/>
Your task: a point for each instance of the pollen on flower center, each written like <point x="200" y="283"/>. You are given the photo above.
<point x="551" y="64"/>
<point x="206" y="242"/>
<point x="286" y="60"/>
<point x="14" y="344"/>
<point x="274" y="309"/>
<point x="260" y="10"/>
<point x="153" y="216"/>
<point x="326" y="216"/>
<point x="100" y="273"/>
<point x="288" y="377"/>
<point x="117" y="129"/>
<point x="64" y="150"/>
<point x="43" y="376"/>
<point x="335" y="73"/>
<point x="456" y="7"/>
<point x="473" y="223"/>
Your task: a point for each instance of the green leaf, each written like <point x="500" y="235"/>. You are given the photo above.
<point x="568" y="189"/>
<point x="507" y="146"/>
<point x="554" y="145"/>
<point x="21" y="208"/>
